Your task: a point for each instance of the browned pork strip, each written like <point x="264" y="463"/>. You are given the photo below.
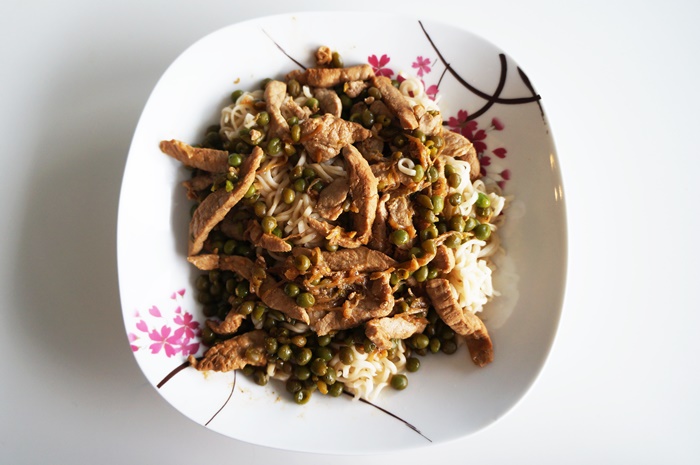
<point x="430" y="123"/>
<point x="378" y="302"/>
<point x="402" y="326"/>
<point x="458" y="146"/>
<point x="233" y="354"/>
<point x="397" y="103"/>
<point x="401" y="213"/>
<point x="198" y="183"/>
<point x="272" y="295"/>
<point x="462" y="322"/>
<point x="335" y="235"/>
<point x="331" y="77"/>
<point x="324" y="137"/>
<point x="444" y="260"/>
<point x="354" y="88"/>
<point x="215" y="161"/>
<point x="371" y="148"/>
<point x="328" y="101"/>
<point x="331" y="199"/>
<point x="216" y="205"/>
<point x="275" y="96"/>
<point x="255" y="234"/>
<point x="358" y="260"/>
<point x="380" y="235"/>
<point x="363" y="186"/>
<point x="229" y="326"/>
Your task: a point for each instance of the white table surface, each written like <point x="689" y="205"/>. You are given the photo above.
<point x="620" y="86"/>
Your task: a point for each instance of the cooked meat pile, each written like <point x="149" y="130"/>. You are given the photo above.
<point x="380" y="274"/>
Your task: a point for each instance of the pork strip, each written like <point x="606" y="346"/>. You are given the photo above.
<point x="216" y="205"/>
<point x="324" y="137"/>
<point x="396" y="102"/>
<point x="380" y="235"/>
<point x="275" y="96"/>
<point x="328" y="101"/>
<point x="402" y="326"/>
<point x="462" y="322"/>
<point x="358" y="260"/>
<point x="229" y="326"/>
<point x="459" y="147"/>
<point x="214" y="161"/>
<point x="363" y="187"/>
<point x="444" y="260"/>
<point x="331" y="199"/>
<point x="331" y="77"/>
<point x="255" y="234"/>
<point x="231" y="354"/>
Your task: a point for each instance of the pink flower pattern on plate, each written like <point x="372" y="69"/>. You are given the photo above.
<point x="379" y="65"/>
<point x="178" y="334"/>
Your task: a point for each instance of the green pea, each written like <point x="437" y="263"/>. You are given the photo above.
<point x="424" y="201"/>
<point x="246" y="308"/>
<point x="274" y="146"/>
<point x="292" y="120"/>
<point x="324" y="353"/>
<point x="293" y="88"/>
<point x="457" y="223"/>
<point x="416" y="252"/>
<point x="470" y="224"/>
<point x="243" y="249"/>
<point x="302" y="263"/>
<point x="421" y="274"/>
<point x="296" y="172"/>
<point x="302" y="397"/>
<point x="412" y="364"/>
<point x="235" y="95"/>
<point x="384" y="120"/>
<point x="335" y="390"/>
<point x="454" y="180"/>
<point x="296" y="133"/>
<point x="303" y="357"/>
<point x="482" y="232"/>
<point x="228" y="185"/>
<point x="268" y="224"/>
<point x="453" y="241"/>
<point x="318" y="367"/>
<point x="420" y="135"/>
<point x="285" y="353"/>
<point x="399" y="237"/>
<point x="432" y="174"/>
<point x="449" y="169"/>
<point x="208" y="336"/>
<point x="456" y="199"/>
<point x="337" y="60"/>
<point x="259" y="208"/>
<point x="399" y="382"/>
<point x="330" y="377"/>
<point x="367" y="118"/>
<point x="420" y="341"/>
<point x="420" y="172"/>
<point x="302" y="372"/>
<point x="434" y="345"/>
<point x="330" y="247"/>
<point x="323" y="341"/>
<point x="242" y="290"/>
<point x="235" y="159"/>
<point x="438" y="204"/>
<point x="484" y="212"/>
<point x="202" y="283"/>
<point x="400" y="140"/>
<point x="231" y="285"/>
<point x="270" y="345"/>
<point x="288" y="195"/>
<point x="346" y="101"/>
<point x="449" y="347"/>
<point x="291" y="289"/>
<point x="293" y="385"/>
<point x="431" y="232"/>
<point x="263" y="118"/>
<point x="432" y="273"/>
<point x="305" y="300"/>
<point x="300" y="185"/>
<point x="250" y="192"/>
<point x="312" y="103"/>
<point x="346" y="355"/>
<point x="483" y="201"/>
<point x="374" y="93"/>
<point x="258" y="313"/>
<point x="429" y="246"/>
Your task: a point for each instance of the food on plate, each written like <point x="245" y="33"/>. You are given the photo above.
<point x="343" y="233"/>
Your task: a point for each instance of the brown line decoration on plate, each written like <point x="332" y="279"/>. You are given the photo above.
<point x="283" y="51"/>
<point x="491" y="98"/>
<point x="382" y="409"/>
<point x="233" y="387"/>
